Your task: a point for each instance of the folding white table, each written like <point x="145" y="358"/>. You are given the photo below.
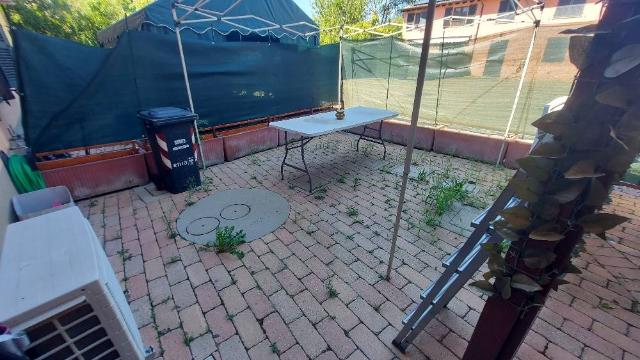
<point x="315" y="125"/>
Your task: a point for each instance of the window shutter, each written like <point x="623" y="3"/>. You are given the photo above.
<point x="7" y="65"/>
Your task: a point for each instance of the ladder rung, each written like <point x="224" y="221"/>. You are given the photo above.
<point x="469" y="264"/>
<point x="476" y="250"/>
<point x="442" y="291"/>
<point x="447" y="261"/>
<point x="478" y="219"/>
<point x="435" y="300"/>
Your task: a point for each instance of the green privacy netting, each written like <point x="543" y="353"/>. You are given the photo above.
<point x="470" y="85"/>
<point x="76" y="95"/>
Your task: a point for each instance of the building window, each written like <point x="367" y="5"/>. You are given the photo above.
<point x="495" y="58"/>
<point x="410" y="17"/>
<point x="569" y="8"/>
<point x="459" y="16"/>
<point x="422" y="19"/>
<point x="507" y="10"/>
<point x="556" y="49"/>
<point x="416" y="18"/>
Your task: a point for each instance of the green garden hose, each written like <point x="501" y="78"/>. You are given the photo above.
<point x="24" y="178"/>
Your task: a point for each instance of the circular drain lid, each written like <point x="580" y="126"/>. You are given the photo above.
<point x="202" y="226"/>
<point x="257" y="212"/>
<point x="235" y="211"/>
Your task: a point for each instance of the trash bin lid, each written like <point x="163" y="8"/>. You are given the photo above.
<point x="166" y="115"/>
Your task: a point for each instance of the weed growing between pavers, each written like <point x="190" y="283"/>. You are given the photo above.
<point x="320" y="193"/>
<point x="439" y="196"/>
<point x="367" y="149"/>
<point x="227" y="241"/>
<point x="205" y="186"/>
<point x="187" y="339"/>
<point x="191" y="190"/>
<point x="331" y="290"/>
<point x="356" y="183"/>
<point x="170" y="231"/>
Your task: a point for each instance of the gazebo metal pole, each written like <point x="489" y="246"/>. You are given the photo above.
<point x="186" y="81"/>
<point x="517" y="98"/>
<point x="415" y="114"/>
<point x="340" y="99"/>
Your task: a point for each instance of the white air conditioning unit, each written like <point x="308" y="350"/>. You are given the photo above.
<point x="57" y="285"/>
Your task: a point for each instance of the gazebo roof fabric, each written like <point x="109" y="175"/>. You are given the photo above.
<point x="279" y="18"/>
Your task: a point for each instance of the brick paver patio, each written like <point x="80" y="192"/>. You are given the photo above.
<point x="274" y="302"/>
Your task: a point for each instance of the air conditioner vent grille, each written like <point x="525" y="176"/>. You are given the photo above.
<point x="74" y="334"/>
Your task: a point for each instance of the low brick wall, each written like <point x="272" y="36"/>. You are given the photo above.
<point x="516" y="149"/>
<point x="100" y="177"/>
<point x="213" y="150"/>
<point x="106" y="176"/>
<point x="250" y="142"/>
<point x="467" y="145"/>
<point x="290" y="137"/>
<point x="455" y="142"/>
<point x="397" y="132"/>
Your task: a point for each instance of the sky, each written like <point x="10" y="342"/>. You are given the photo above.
<point x="306" y="6"/>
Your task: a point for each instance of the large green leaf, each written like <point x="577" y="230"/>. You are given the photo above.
<point x="578" y="49"/>
<point x="503" y="229"/>
<point x="617" y="96"/>
<point x="614" y="135"/>
<point x="484" y="286"/>
<point x="547" y="232"/>
<point x="627" y="131"/>
<point x="523" y="282"/>
<point x="623" y="60"/>
<point x="557" y="282"/>
<point x="536" y="167"/>
<point x="547" y="209"/>
<point x="555" y="122"/>
<point x="569" y="193"/>
<point x="597" y="193"/>
<point x="600" y="222"/>
<point x="526" y="189"/>
<point x="518" y="217"/>
<point x="539" y="259"/>
<point x="583" y="169"/>
<point x="619" y="162"/>
<point x="550" y="150"/>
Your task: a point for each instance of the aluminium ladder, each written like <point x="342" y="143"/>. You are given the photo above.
<point x="460" y="267"/>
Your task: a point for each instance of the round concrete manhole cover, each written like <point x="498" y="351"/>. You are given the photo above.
<point x="203" y="225"/>
<point x="257" y="212"/>
<point x="235" y="211"/>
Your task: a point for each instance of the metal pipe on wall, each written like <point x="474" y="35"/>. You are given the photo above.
<point x="340" y="99"/>
<point x="415" y="114"/>
<point x="186" y="80"/>
<point x="517" y="98"/>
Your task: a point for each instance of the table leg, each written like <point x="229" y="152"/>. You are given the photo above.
<point x="376" y="139"/>
<point x="286" y="153"/>
<point x="295" y="144"/>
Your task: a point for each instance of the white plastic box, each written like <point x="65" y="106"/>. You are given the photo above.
<point x="41" y="202"/>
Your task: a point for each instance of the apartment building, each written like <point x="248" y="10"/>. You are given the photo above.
<point x="500" y="31"/>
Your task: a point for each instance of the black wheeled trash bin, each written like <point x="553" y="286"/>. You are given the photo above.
<point x="173" y="142"/>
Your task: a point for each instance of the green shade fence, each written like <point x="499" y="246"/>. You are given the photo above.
<point x="470" y="85"/>
<point x="77" y="96"/>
